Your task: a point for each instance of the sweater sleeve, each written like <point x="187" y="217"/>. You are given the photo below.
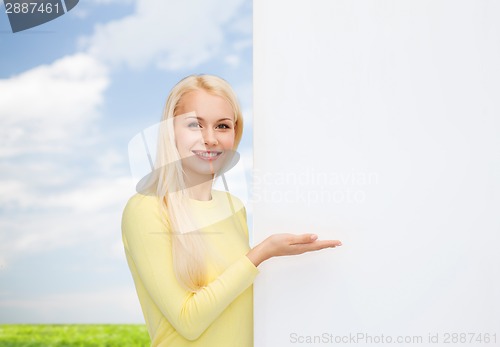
<point x="147" y="242"/>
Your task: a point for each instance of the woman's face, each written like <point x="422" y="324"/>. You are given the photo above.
<point x="204" y="132"/>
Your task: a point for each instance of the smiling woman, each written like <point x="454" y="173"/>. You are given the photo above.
<point x="204" y="126"/>
<point x="187" y="244"/>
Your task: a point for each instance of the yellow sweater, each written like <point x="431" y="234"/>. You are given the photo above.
<point x="221" y="313"/>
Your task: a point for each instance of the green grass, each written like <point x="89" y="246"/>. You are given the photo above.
<point x="108" y="335"/>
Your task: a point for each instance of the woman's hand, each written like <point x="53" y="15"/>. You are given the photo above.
<point x="288" y="244"/>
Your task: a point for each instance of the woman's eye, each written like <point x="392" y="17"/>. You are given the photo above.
<point x="194" y="125"/>
<point x="223" y="126"/>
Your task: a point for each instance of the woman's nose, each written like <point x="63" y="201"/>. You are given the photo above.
<point x="210" y="137"/>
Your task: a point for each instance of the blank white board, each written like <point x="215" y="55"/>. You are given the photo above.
<point x="378" y="123"/>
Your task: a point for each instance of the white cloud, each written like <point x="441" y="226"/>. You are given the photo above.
<point x="170" y="35"/>
<point x="232" y="60"/>
<point x="3" y="265"/>
<point x="94" y="196"/>
<point x="243" y="44"/>
<point x="45" y="108"/>
<point x="78" y="307"/>
<point x="243" y="24"/>
<point x="46" y="203"/>
<point x="80" y="13"/>
<point x="78" y="216"/>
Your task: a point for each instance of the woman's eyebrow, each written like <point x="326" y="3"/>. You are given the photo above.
<point x="200" y="118"/>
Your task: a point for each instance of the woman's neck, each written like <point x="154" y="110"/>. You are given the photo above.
<point x="202" y="191"/>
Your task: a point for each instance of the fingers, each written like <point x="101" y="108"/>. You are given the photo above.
<point x="304" y="238"/>
<point x="309" y="238"/>
<point x="332" y="243"/>
<point x="316" y="246"/>
<point x="321" y="245"/>
<point x="336" y="243"/>
<point x="290" y="244"/>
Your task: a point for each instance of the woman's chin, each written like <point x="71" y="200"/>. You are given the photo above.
<point x="203" y="166"/>
<point x="202" y="171"/>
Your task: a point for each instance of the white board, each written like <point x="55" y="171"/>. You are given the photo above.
<point x="378" y="123"/>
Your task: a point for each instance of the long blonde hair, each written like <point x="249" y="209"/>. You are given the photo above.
<point x="189" y="249"/>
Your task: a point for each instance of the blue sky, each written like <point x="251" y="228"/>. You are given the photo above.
<point x="73" y="92"/>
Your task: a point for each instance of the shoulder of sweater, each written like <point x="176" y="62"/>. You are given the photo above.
<point x="139" y="200"/>
<point x="141" y="205"/>
<point x="225" y="197"/>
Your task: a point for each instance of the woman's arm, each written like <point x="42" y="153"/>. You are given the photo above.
<point x="147" y="244"/>
<point x="288" y="244"/>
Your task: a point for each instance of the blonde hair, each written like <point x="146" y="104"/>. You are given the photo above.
<point x="189" y="249"/>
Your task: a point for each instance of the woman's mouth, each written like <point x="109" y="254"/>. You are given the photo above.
<point x="207" y="155"/>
